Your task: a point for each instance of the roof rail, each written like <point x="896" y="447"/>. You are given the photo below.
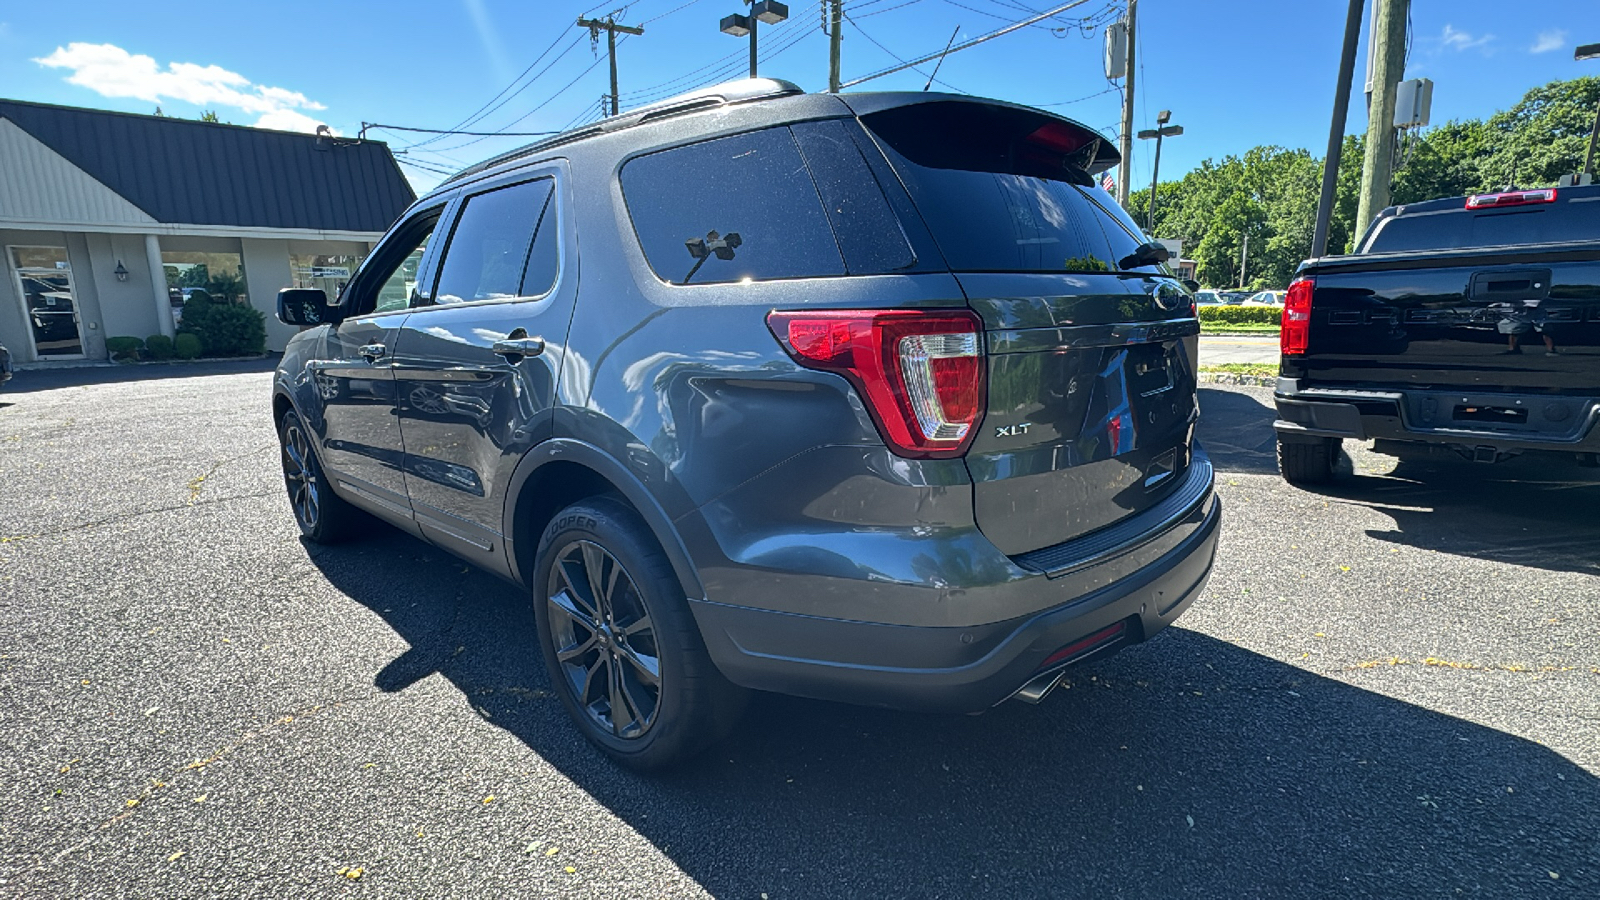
<point x="743" y="90"/>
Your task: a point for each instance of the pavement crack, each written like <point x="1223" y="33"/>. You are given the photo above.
<point x="125" y="517"/>
<point x="198" y="483"/>
<point x="158" y="786"/>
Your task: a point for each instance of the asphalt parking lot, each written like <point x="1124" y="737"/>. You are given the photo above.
<point x="1390" y="689"/>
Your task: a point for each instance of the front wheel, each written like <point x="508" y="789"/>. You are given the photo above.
<point x="323" y="516"/>
<point x="1307" y="462"/>
<point x="619" y="642"/>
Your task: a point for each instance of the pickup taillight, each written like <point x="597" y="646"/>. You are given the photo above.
<point x="920" y="373"/>
<point x="1295" y="332"/>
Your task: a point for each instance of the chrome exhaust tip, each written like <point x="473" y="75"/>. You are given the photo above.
<point x="1038" y="688"/>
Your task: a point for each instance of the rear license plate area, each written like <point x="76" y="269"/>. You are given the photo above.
<point x="1494" y="415"/>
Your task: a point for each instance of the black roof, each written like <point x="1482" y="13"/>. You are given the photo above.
<point x="203" y="173"/>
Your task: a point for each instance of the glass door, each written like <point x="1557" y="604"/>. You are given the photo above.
<point x="45" y="282"/>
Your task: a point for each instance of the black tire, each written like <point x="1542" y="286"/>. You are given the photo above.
<point x="1308" y="462"/>
<point x="609" y="606"/>
<point x="323" y="516"/>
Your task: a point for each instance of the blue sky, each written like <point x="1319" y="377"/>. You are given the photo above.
<point x="1235" y="73"/>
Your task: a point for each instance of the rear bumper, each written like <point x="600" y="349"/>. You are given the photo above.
<point x="1556" y="423"/>
<point x="970" y="668"/>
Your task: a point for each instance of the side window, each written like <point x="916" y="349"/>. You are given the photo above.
<point x="489" y="249"/>
<point x="395" y="294"/>
<point x="387" y="279"/>
<point x="544" y="260"/>
<point x="730" y="209"/>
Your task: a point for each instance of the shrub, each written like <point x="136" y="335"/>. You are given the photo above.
<point x="124" y="348"/>
<point x="1241" y="315"/>
<point x="186" y="345"/>
<point x="158" y="346"/>
<point x="225" y="329"/>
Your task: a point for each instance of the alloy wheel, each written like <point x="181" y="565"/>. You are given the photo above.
<point x="300" y="476"/>
<point x="605" y="640"/>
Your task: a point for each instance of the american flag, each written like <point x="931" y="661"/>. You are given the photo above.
<point x="1108" y="183"/>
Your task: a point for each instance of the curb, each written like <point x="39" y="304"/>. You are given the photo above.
<point x="1232" y="378"/>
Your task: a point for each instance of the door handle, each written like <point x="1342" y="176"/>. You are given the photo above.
<point x="372" y="351"/>
<point x="527" y="346"/>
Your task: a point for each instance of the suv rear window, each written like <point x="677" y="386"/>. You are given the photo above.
<point x="1459" y="229"/>
<point x="1001" y="189"/>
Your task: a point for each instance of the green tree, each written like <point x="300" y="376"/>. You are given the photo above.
<point x="1541" y="138"/>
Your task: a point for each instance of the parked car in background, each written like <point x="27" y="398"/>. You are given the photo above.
<point x="1209" y="298"/>
<point x="1235" y="298"/>
<point x="821" y="430"/>
<point x="5" y="364"/>
<point x="1265" y="298"/>
<point x="1469" y="323"/>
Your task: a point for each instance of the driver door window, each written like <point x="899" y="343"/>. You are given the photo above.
<point x="389" y="282"/>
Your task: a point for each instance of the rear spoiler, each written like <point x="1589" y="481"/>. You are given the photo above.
<point x="1055" y="140"/>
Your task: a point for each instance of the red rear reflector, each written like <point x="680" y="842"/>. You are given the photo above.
<point x="1511" y="198"/>
<point x="920" y="373"/>
<point x="1078" y="648"/>
<point x="1296" y="323"/>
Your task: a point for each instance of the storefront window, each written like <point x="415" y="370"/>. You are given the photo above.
<point x="330" y="272"/>
<point x="214" y="276"/>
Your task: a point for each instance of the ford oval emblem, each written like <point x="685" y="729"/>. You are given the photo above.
<point x="1169" y="296"/>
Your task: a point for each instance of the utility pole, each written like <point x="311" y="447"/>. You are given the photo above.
<point x="1341" y="110"/>
<point x="1125" y="137"/>
<point x="610" y="27"/>
<point x="835" y="35"/>
<point x="1388" y="67"/>
<point x="1244" y="257"/>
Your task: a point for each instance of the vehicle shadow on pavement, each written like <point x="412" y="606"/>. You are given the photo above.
<point x="1528" y="511"/>
<point x="1186" y="766"/>
<point x="1236" y="430"/>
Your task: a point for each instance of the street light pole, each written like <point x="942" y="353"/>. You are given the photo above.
<point x="768" y="11"/>
<point x="1162" y="131"/>
<point x="1589" y="51"/>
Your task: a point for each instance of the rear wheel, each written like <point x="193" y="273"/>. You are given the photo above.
<point x="323" y="516"/>
<point x="619" y="642"/>
<point x="1307" y="462"/>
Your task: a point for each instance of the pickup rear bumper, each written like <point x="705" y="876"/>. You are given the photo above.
<point x="1501" y="421"/>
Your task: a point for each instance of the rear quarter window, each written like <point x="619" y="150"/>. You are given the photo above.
<point x="729" y="209"/>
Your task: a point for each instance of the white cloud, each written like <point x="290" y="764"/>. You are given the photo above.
<point x="1463" y="40"/>
<point x="112" y="71"/>
<point x="1549" y="40"/>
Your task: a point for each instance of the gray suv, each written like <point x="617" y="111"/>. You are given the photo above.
<point x="870" y="397"/>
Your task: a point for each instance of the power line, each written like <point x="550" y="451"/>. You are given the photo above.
<point x="897" y="56"/>
<point x="972" y="43"/>
<point x="483" y="111"/>
<point x="367" y="125"/>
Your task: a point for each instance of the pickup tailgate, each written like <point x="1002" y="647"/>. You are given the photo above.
<point x="1515" y="320"/>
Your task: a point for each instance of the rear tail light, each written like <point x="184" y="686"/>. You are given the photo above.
<point x="1296" y="325"/>
<point x="920" y="373"/>
<point x="1511" y="198"/>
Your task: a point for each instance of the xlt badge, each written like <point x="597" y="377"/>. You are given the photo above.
<point x="1021" y="428"/>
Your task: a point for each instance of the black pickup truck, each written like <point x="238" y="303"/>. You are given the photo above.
<point x="1471" y="323"/>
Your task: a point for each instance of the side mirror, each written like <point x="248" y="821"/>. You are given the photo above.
<point x="1190" y="285"/>
<point x="305" y="306"/>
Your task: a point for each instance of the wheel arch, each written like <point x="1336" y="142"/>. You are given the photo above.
<point x="562" y="471"/>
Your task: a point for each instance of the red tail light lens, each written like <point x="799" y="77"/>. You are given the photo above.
<point x="1511" y="198"/>
<point x="920" y="373"/>
<point x="1296" y="325"/>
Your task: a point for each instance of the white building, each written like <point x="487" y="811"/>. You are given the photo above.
<point x="108" y="220"/>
